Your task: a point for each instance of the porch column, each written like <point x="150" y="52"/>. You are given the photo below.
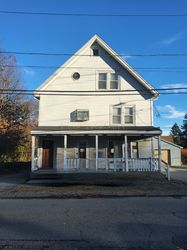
<point x="65" y="151"/>
<point x="159" y="154"/>
<point x="33" y="153"/>
<point x="96" y="152"/>
<point x="126" y="154"/>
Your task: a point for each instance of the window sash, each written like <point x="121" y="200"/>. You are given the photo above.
<point x="116" y="115"/>
<point x="129" y="115"/>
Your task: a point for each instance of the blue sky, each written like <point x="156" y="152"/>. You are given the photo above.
<point x="129" y="35"/>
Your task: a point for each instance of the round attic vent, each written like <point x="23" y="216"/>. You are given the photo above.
<point x="76" y="75"/>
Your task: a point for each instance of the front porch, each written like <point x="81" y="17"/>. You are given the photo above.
<point x="116" y="150"/>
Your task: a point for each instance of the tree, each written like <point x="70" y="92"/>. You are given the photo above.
<point x="176" y="133"/>
<point x="184" y="132"/>
<point x="16" y="110"/>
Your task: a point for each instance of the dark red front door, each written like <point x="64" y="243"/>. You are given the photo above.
<point x="47" y="155"/>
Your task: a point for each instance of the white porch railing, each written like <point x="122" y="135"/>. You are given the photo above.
<point x="112" y="164"/>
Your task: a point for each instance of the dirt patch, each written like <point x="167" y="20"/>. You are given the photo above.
<point x="146" y="185"/>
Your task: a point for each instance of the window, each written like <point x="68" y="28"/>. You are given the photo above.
<point x="129" y="115"/>
<point x="102" y="81"/>
<point x="82" y="115"/>
<point x="122" y="115"/>
<point x="116" y="116"/>
<point x="108" y="81"/>
<point x="113" y="81"/>
<point x="95" y="52"/>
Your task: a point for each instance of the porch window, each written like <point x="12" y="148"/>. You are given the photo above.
<point x="116" y="117"/>
<point x="114" y="81"/>
<point x="102" y="81"/>
<point x="129" y="115"/>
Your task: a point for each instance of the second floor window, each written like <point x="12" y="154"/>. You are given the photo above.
<point x="123" y="115"/>
<point x="129" y="115"/>
<point x="108" y="81"/>
<point x="116" y="116"/>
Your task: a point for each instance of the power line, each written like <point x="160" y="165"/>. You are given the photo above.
<point x="94" y="14"/>
<point x="181" y="90"/>
<point x="71" y="54"/>
<point x="167" y="69"/>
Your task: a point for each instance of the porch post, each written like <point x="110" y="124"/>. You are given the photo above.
<point x="159" y="154"/>
<point x="126" y="154"/>
<point x="96" y="152"/>
<point x="65" y="151"/>
<point x="33" y="151"/>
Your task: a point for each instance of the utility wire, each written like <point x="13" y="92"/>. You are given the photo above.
<point x="71" y="54"/>
<point x="95" y="14"/>
<point x="175" y="69"/>
<point x="181" y="90"/>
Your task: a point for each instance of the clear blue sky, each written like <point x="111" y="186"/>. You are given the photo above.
<point x="133" y="35"/>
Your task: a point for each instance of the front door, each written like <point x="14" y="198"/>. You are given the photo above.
<point x="47" y="154"/>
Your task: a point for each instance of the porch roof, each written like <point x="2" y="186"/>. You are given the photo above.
<point x="130" y="130"/>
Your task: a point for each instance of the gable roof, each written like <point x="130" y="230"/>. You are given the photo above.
<point x="111" y="52"/>
<point x="171" y="143"/>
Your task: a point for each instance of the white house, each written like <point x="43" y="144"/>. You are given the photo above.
<point x="95" y="114"/>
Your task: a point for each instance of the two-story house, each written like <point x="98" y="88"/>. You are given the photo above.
<point x="95" y="114"/>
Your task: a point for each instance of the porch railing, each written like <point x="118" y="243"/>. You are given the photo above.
<point x="112" y="164"/>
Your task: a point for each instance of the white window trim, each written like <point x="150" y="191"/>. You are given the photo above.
<point x="123" y="115"/>
<point x="108" y="80"/>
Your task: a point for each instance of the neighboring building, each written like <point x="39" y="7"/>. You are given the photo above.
<point x="96" y="113"/>
<point x="170" y="152"/>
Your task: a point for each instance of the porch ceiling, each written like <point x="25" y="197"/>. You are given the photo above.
<point x="92" y="130"/>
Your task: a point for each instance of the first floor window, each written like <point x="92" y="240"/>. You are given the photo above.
<point x="116" y="118"/>
<point x="129" y="116"/>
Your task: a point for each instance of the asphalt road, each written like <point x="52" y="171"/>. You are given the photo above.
<point x="121" y="223"/>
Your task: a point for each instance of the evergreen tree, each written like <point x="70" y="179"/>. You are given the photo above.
<point x="184" y="132"/>
<point x="176" y="133"/>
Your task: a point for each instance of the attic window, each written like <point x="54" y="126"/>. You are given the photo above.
<point x="95" y="52"/>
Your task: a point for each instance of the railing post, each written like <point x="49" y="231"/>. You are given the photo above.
<point x="96" y="152"/>
<point x="168" y="172"/>
<point x="126" y="155"/>
<point x="33" y="154"/>
<point x="159" y="155"/>
<point x="65" y="151"/>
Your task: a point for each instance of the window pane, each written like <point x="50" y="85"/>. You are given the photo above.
<point x="102" y="76"/>
<point x="102" y="85"/>
<point x="113" y="85"/>
<point x="116" y="119"/>
<point x="116" y="111"/>
<point x="129" y="119"/>
<point x="113" y="77"/>
<point x="128" y="111"/>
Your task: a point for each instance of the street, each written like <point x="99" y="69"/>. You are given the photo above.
<point x="135" y="223"/>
